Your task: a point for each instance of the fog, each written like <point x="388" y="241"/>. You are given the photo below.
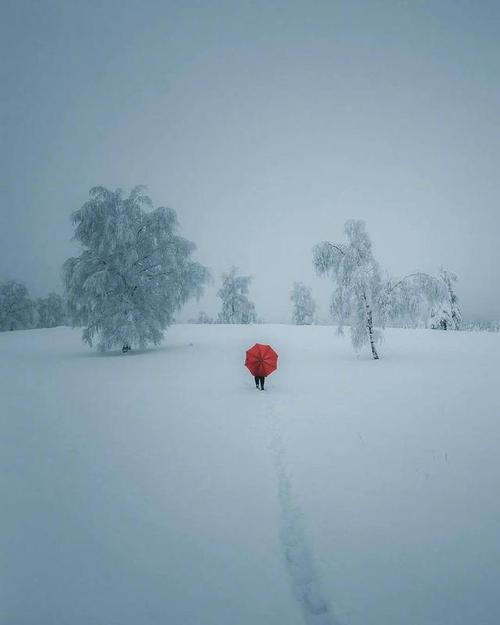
<point x="265" y="125"/>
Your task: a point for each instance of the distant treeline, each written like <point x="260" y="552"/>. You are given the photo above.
<point x="481" y="325"/>
<point x="136" y="272"/>
<point x="18" y="311"/>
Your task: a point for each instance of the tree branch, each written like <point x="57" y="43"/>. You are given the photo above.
<point x="410" y="275"/>
<point x="336" y="247"/>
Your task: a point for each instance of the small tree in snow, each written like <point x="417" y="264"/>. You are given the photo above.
<point x="204" y="318"/>
<point x="448" y="316"/>
<point x="50" y="311"/>
<point x="16" y="307"/>
<point x="135" y="272"/>
<point x="304" y="306"/>
<point x="362" y="298"/>
<point x="236" y="307"/>
<point x="358" y="283"/>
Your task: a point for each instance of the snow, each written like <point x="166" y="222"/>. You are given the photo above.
<point x="160" y="487"/>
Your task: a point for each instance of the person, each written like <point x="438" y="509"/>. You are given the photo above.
<point x="259" y="379"/>
<point x="261" y="360"/>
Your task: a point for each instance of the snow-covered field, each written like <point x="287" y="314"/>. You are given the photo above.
<point x="162" y="488"/>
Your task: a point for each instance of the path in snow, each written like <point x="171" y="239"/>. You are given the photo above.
<point x="297" y="554"/>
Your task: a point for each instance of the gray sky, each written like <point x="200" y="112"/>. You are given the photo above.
<point x="265" y="125"/>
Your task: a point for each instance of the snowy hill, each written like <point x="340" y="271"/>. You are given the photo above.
<point x="162" y="488"/>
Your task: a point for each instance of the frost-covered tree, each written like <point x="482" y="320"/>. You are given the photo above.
<point x="411" y="300"/>
<point x="134" y="273"/>
<point x="204" y="318"/>
<point x="16" y="307"/>
<point x="236" y="307"/>
<point x="362" y="298"/>
<point x="358" y="283"/>
<point x="50" y="311"/>
<point x="449" y="313"/>
<point x="304" y="306"/>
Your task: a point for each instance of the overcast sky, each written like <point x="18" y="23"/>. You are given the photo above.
<point x="265" y="125"/>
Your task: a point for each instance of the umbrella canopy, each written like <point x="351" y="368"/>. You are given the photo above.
<point x="261" y="360"/>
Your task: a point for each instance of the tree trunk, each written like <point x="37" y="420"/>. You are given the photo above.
<point x="369" y="325"/>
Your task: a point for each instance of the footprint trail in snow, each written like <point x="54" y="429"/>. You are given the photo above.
<point x="297" y="555"/>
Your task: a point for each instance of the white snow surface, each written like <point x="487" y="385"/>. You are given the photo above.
<point x="160" y="487"/>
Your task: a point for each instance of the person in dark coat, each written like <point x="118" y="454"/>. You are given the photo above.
<point x="259" y="379"/>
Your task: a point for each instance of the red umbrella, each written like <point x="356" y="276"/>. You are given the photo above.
<point x="261" y="360"/>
